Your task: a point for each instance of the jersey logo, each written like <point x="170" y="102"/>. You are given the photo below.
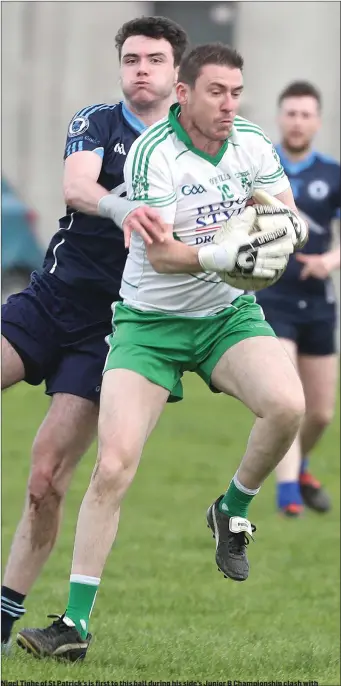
<point x="193" y="190"/>
<point x="245" y="179"/>
<point x="276" y="156"/>
<point x="119" y="147"/>
<point x="78" y="126"/>
<point x="318" y="190"/>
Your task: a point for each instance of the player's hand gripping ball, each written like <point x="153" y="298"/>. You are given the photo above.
<point x="260" y="241"/>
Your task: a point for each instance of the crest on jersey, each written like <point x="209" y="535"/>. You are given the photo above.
<point x="276" y="156"/>
<point x="78" y="126"/>
<point x="245" y="179"/>
<point x="318" y="190"/>
<point x="140" y="185"/>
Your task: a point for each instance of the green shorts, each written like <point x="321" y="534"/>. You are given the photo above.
<point x="161" y="347"/>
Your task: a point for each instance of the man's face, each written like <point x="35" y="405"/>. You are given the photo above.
<point x="213" y="102"/>
<point x="299" y="121"/>
<point x="148" y="74"/>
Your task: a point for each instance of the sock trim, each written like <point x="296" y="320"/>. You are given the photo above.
<point x="83" y="579"/>
<point x="12" y="603"/>
<point x="243" y="489"/>
<point x="12" y="595"/>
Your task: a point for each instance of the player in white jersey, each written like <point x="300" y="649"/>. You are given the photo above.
<point x="194" y="192"/>
<point x="197" y="168"/>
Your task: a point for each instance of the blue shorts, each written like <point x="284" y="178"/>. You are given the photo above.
<point x="310" y="322"/>
<point x="59" y="335"/>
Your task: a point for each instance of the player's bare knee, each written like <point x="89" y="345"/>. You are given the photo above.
<point x="287" y="409"/>
<point x="44" y="506"/>
<point x="47" y="474"/>
<point x="42" y="487"/>
<point x="114" y="472"/>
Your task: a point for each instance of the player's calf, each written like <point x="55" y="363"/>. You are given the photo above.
<point x="259" y="373"/>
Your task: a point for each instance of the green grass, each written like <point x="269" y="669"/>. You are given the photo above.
<point x="163" y="612"/>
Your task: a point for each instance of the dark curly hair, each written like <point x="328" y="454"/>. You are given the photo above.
<point x="155" y="27"/>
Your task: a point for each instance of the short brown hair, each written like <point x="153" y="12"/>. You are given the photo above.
<point x="209" y="53"/>
<point x="300" y="89"/>
<point x="155" y="27"/>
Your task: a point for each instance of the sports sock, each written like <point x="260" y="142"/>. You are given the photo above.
<point x="237" y="499"/>
<point x="288" y="493"/>
<point x="11" y="610"/>
<point x="82" y="597"/>
<point x="304" y="465"/>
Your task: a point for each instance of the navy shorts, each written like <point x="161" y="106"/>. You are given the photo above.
<point x="310" y="322"/>
<point x="59" y="335"/>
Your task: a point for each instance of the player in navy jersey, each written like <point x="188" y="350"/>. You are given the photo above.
<point x="54" y="331"/>
<point x="301" y="306"/>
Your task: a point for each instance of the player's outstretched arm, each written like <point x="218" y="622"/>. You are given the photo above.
<point x="81" y="189"/>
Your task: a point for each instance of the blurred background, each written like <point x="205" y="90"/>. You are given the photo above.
<point x="58" y="57"/>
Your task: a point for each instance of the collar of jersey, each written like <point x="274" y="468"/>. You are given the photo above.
<point x="295" y="167"/>
<point x="133" y="121"/>
<point x="183" y="136"/>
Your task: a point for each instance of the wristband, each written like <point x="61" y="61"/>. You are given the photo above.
<point x="214" y="258"/>
<point x="115" y="208"/>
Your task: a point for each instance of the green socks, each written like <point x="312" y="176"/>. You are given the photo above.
<point x="237" y="499"/>
<point x="82" y="597"/>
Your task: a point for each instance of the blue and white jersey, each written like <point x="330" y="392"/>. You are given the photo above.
<point x="315" y="182"/>
<point x="88" y="251"/>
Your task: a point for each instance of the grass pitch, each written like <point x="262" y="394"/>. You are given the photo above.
<point x="163" y="612"/>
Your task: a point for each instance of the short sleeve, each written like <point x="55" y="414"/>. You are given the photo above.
<point x="88" y="130"/>
<point x="148" y="178"/>
<point x="270" y="176"/>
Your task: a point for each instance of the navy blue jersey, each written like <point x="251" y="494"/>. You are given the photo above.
<point x="315" y="182"/>
<point x="88" y="251"/>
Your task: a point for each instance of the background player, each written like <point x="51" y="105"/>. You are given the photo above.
<point x="55" y="329"/>
<point x="301" y="306"/>
<point x="178" y="315"/>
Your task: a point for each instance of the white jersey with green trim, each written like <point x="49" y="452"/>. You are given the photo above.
<point x="195" y="192"/>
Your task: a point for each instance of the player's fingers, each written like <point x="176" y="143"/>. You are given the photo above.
<point x="278" y="248"/>
<point x="305" y="273"/>
<point x="261" y="273"/>
<point x="127" y="235"/>
<point x="158" y="226"/>
<point x="272" y="262"/>
<point x="133" y="224"/>
<point x="144" y="234"/>
<point x="153" y="214"/>
<point x="300" y="257"/>
<point x="155" y="228"/>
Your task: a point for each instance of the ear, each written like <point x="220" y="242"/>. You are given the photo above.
<point x="181" y="90"/>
